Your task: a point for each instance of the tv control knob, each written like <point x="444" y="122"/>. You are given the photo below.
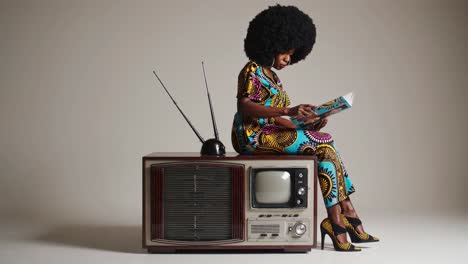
<point x="301" y="175"/>
<point x="298" y="201"/>
<point x="299" y="229"/>
<point x="301" y="191"/>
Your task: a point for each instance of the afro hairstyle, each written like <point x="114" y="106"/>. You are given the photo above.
<point x="277" y="30"/>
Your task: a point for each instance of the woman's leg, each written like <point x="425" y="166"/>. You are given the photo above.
<point x="347" y="209"/>
<point x="346" y="205"/>
<point x="333" y="179"/>
<point x="334" y="214"/>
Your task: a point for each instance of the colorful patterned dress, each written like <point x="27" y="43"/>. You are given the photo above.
<point x="261" y="136"/>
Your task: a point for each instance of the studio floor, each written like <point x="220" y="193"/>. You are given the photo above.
<point x="405" y="238"/>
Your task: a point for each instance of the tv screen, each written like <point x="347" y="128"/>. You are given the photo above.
<point x="272" y="187"/>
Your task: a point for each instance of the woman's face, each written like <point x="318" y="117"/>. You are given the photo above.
<point x="282" y="60"/>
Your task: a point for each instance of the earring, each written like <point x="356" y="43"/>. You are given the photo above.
<point x="273" y="63"/>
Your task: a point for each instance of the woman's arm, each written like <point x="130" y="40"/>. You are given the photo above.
<point x="252" y="109"/>
<point x="280" y="121"/>
<point x="249" y="108"/>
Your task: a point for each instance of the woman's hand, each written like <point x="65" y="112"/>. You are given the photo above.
<point x="300" y="111"/>
<point x="280" y="121"/>
<point x="319" y="125"/>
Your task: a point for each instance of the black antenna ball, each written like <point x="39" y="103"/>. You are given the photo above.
<point x="213" y="147"/>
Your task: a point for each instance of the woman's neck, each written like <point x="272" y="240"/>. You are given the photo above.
<point x="269" y="72"/>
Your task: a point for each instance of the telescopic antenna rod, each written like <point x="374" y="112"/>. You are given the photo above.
<point x="180" y="110"/>
<point x="213" y="119"/>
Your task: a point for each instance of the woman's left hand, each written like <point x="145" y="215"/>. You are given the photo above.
<point x="319" y="125"/>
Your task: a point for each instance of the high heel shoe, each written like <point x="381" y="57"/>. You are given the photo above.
<point x="351" y="223"/>
<point x="333" y="230"/>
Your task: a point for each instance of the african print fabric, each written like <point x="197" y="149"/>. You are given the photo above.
<point x="252" y="135"/>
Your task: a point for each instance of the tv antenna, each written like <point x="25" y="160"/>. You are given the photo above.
<point x="212" y="146"/>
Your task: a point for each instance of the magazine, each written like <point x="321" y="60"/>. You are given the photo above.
<point x="329" y="108"/>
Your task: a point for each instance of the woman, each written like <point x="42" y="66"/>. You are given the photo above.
<point x="276" y="38"/>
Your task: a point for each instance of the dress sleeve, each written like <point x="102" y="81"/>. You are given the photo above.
<point x="287" y="100"/>
<point x="248" y="83"/>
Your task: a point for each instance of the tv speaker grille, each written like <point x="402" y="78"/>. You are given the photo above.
<point x="198" y="202"/>
<point x="261" y="229"/>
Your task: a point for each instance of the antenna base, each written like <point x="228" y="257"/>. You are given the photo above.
<point x="213" y="147"/>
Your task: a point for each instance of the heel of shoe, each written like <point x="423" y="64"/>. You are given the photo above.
<point x="323" y="232"/>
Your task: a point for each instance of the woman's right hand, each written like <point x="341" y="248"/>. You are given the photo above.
<point x="300" y="111"/>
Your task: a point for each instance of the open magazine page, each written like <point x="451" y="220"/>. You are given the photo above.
<point x="329" y="108"/>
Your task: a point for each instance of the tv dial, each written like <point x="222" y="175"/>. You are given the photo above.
<point x="299" y="229"/>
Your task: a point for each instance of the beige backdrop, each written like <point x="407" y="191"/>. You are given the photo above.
<point x="79" y="105"/>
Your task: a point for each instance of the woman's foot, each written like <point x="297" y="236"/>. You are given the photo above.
<point x="347" y="209"/>
<point x="352" y="213"/>
<point x="354" y="225"/>
<point x="338" y="220"/>
<point x="327" y="227"/>
<point x="351" y="225"/>
<point x="335" y="217"/>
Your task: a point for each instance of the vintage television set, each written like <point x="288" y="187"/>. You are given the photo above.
<point x="230" y="202"/>
<point x="217" y="201"/>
